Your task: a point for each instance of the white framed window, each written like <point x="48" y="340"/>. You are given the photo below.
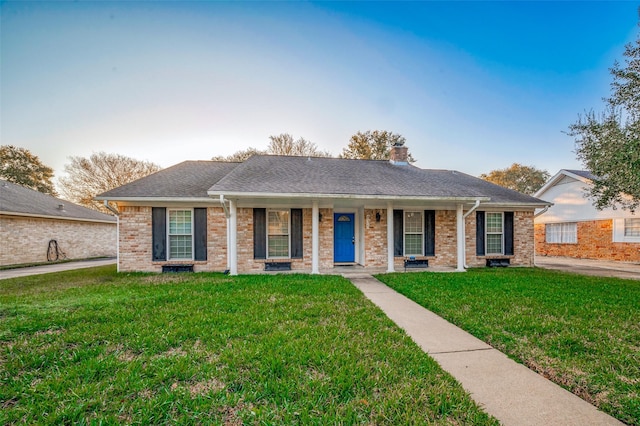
<point x="632" y="227"/>
<point x="180" y="234"/>
<point x="494" y="231"/>
<point x="278" y="235"/>
<point x="561" y="233"/>
<point x="413" y="233"/>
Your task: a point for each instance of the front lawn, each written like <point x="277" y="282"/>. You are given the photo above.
<point x="581" y="332"/>
<point x="94" y="346"/>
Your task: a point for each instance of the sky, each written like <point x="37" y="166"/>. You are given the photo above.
<point x="472" y="86"/>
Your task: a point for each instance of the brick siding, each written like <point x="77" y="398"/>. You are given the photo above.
<point x="136" y="241"/>
<point x="26" y="239"/>
<point x="136" y="236"/>
<point x="595" y="241"/>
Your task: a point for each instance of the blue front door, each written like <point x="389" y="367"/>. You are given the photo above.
<point x="344" y="242"/>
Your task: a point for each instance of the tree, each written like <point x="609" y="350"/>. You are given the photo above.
<point x="88" y="177"/>
<point x="525" y="179"/>
<point x="373" y="145"/>
<point x="19" y="165"/>
<point x="282" y="144"/>
<point x="608" y="144"/>
<point x="239" y="156"/>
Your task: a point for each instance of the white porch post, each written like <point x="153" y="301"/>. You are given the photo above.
<point x="233" y="238"/>
<point x="460" y="238"/>
<point x="390" y="267"/>
<point x="315" y="234"/>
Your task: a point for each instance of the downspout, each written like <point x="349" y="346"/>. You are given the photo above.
<point x="224" y="206"/>
<point x="543" y="211"/>
<point x="227" y="215"/>
<point x="464" y="241"/>
<point x="117" y="214"/>
<point x="111" y="209"/>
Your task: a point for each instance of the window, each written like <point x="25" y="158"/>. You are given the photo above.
<point x="413" y="234"/>
<point x="180" y="234"/>
<point x="632" y="227"/>
<point x="278" y="233"/>
<point x="494" y="232"/>
<point x="561" y="233"/>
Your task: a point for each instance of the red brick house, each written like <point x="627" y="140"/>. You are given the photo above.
<point x="573" y="227"/>
<point x="311" y="214"/>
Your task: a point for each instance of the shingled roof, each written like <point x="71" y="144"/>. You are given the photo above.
<point x="302" y="176"/>
<point x="190" y="179"/>
<point x="269" y="174"/>
<point x="18" y="200"/>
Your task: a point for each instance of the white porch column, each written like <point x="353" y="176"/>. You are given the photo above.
<point x="460" y="238"/>
<point x="390" y="267"/>
<point x="315" y="235"/>
<point x="233" y="238"/>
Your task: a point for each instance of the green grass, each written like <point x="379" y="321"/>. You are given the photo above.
<point x="94" y="346"/>
<point x="581" y="332"/>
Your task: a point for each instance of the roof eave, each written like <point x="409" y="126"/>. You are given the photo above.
<point x="44" y="216"/>
<point x="342" y="196"/>
<point x="158" y="199"/>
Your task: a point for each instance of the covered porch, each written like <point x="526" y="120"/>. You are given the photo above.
<point x="347" y="234"/>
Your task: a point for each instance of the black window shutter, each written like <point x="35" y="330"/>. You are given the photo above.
<point x="429" y="232"/>
<point x="296" y="233"/>
<point x="508" y="233"/>
<point x="480" y="233"/>
<point x="159" y="233"/>
<point x="398" y="229"/>
<point x="200" y="233"/>
<point x="259" y="233"/>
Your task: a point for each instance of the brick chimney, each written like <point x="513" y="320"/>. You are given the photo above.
<point x="399" y="155"/>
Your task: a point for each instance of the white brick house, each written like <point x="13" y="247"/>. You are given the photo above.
<point x="311" y="214"/>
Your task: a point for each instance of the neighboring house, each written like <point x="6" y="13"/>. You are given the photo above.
<point x="311" y="214"/>
<point x="573" y="227"/>
<point x="36" y="227"/>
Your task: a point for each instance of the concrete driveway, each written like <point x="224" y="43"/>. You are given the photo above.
<point x="56" y="267"/>
<point x="599" y="268"/>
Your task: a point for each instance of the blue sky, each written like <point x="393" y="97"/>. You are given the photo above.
<point x="473" y="86"/>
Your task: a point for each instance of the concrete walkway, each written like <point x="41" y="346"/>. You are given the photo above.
<point x="507" y="390"/>
<point x="599" y="268"/>
<point x="54" y="267"/>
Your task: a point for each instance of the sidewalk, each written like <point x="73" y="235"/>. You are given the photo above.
<point x="55" y="267"/>
<point x="507" y="390"/>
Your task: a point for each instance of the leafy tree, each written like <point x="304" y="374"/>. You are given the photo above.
<point x="282" y="144"/>
<point x="88" y="177"/>
<point x="19" y="165"/>
<point x="525" y="179"/>
<point x="608" y="144"/>
<point x="373" y="145"/>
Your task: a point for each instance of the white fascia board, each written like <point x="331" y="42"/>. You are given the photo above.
<point x="207" y="200"/>
<point x="524" y="206"/>
<point x="240" y="195"/>
<point x="556" y="178"/>
<point x="44" y="216"/>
